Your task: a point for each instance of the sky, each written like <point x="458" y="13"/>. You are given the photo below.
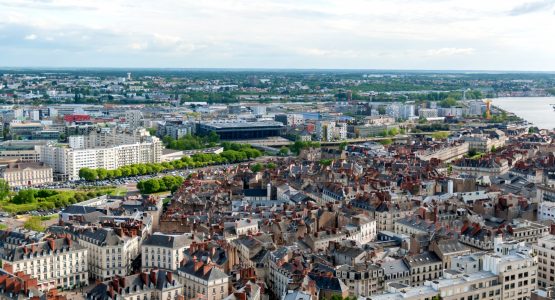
<point x="321" y="34"/>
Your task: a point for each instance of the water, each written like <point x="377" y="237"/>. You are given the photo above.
<point x="536" y="110"/>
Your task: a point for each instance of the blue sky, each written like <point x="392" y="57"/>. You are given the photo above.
<point x="360" y="34"/>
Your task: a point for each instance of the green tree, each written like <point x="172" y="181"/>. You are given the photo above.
<point x="102" y="173"/>
<point x="256" y="168"/>
<point x="386" y="142"/>
<point x="283" y="151"/>
<point x="4" y="189"/>
<point x="88" y="174"/>
<point x="24" y="197"/>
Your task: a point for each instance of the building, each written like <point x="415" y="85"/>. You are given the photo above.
<point x="164" y="251"/>
<point x="444" y="153"/>
<point x="545" y="251"/>
<point x="203" y="280"/>
<point x="361" y="279"/>
<point x="423" y="267"/>
<point x="156" y="285"/>
<point x="481" y="167"/>
<point x="331" y="131"/>
<point x="21" y="174"/>
<point x="242" y="130"/>
<point x="111" y="251"/>
<point x="24" y="151"/>
<point x="24" y="130"/>
<point x="428" y="113"/>
<point x="54" y="263"/>
<point x="66" y="161"/>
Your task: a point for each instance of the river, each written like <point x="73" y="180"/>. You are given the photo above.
<point x="536" y="110"/>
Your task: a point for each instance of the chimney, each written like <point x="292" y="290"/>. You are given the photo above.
<point x="52" y="244"/>
<point x="144" y="278"/>
<point x="206" y="269"/>
<point x="198" y="265"/>
<point x="169" y="276"/>
<point x="153" y="277"/>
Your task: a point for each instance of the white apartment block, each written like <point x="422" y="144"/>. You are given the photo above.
<point x="111" y="252"/>
<point x="54" y="263"/>
<point x="545" y="251"/>
<point x="164" y="251"/>
<point x="331" y="131"/>
<point x="108" y="152"/>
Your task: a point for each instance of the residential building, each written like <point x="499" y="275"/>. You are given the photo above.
<point x="54" y="263"/>
<point x="156" y="285"/>
<point x="203" y="280"/>
<point x="111" y="251"/>
<point x="164" y="251"/>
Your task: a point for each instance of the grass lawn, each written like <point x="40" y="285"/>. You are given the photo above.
<point x="120" y="191"/>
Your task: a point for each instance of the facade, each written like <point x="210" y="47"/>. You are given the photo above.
<point x="447" y="153"/>
<point x="26" y="174"/>
<point x="331" y="131"/>
<point x="24" y="151"/>
<point x="54" y="263"/>
<point x="545" y="251"/>
<point x="110" y="253"/>
<point x="162" y="251"/>
<point x="424" y="267"/>
<point x="204" y="280"/>
<point x="362" y="279"/>
<point x="67" y="161"/>
<point x="242" y="130"/>
<point x="156" y="285"/>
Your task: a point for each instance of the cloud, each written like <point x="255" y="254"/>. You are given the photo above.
<point x="532" y="7"/>
<point x="31" y="37"/>
<point x="450" y="51"/>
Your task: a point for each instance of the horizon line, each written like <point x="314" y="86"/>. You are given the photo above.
<point x="258" y="69"/>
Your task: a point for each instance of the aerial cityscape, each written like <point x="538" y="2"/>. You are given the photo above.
<point x="233" y="150"/>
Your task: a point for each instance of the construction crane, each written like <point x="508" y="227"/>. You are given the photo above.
<point x="488" y="109"/>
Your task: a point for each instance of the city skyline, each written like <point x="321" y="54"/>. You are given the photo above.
<point x="404" y="35"/>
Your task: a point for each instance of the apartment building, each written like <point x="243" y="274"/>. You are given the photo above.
<point x="203" y="280"/>
<point x="444" y="153"/>
<point x="361" y="279"/>
<point x="515" y="267"/>
<point x="125" y="150"/>
<point x="423" y="267"/>
<point x="54" y="263"/>
<point x="164" y="251"/>
<point x="545" y="251"/>
<point x="111" y="251"/>
<point x="331" y="131"/>
<point x="454" y="285"/>
<point x="156" y="285"/>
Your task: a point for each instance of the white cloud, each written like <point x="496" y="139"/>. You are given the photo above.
<point x="31" y="37"/>
<point x="282" y="33"/>
<point x="450" y="51"/>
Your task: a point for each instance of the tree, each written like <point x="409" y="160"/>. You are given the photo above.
<point x="449" y="102"/>
<point x="102" y="173"/>
<point x="256" y="168"/>
<point x="440" y="135"/>
<point x="4" y="189"/>
<point x="283" y="151"/>
<point x="88" y="174"/>
<point x="386" y="142"/>
<point x="24" y="197"/>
